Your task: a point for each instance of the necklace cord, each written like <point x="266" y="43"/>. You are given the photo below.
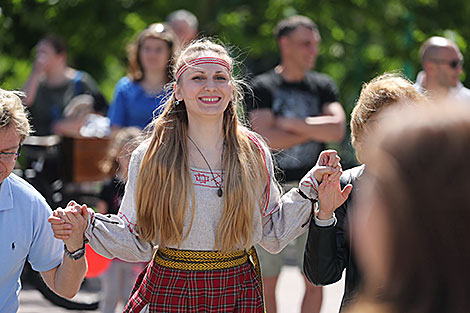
<point x="219" y="191"/>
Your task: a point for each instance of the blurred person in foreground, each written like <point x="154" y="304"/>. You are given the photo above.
<point x="297" y="111"/>
<point x="26" y="234"/>
<point x="328" y="251"/>
<point x="139" y="96"/>
<point x="52" y="84"/>
<point x="184" y="24"/>
<point x="412" y="213"/>
<point x="442" y="63"/>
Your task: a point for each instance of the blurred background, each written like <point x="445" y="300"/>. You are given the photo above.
<point x="360" y="38"/>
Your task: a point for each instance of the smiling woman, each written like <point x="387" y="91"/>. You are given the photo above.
<point x="208" y="87"/>
<point x="202" y="189"/>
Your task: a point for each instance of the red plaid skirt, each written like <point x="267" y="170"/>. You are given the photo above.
<point x="165" y="289"/>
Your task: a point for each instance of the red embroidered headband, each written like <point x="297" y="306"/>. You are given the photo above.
<point x="199" y="61"/>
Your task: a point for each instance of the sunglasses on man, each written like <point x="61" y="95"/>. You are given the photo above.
<point x="452" y="63"/>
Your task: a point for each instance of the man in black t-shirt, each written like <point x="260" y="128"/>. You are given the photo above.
<point x="296" y="110"/>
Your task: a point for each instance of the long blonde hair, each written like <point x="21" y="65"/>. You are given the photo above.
<point x="164" y="185"/>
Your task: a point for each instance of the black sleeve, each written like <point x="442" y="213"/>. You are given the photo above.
<point x="331" y="92"/>
<point x="327" y="89"/>
<point x="260" y="97"/>
<point x="326" y="252"/>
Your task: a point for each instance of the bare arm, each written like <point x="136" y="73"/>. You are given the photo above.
<point x="264" y="123"/>
<point x="66" y="279"/>
<point x="329" y="127"/>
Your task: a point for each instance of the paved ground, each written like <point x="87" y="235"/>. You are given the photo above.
<point x="289" y="293"/>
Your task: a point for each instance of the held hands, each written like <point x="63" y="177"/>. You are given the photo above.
<point x="69" y="224"/>
<point x="328" y="166"/>
<point x="330" y="194"/>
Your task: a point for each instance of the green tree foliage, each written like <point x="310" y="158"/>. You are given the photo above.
<point x="360" y="38"/>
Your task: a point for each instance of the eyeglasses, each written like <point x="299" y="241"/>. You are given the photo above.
<point x="9" y="156"/>
<point x="452" y="63"/>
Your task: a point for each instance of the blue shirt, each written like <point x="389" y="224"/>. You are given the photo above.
<point x="132" y="106"/>
<point x="25" y="235"/>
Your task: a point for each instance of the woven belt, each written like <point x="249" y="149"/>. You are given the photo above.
<point x="190" y="260"/>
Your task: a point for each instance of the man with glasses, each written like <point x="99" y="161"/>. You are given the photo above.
<point x="296" y="110"/>
<point x="24" y="230"/>
<point x="442" y="65"/>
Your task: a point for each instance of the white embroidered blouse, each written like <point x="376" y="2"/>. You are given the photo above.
<point x="275" y="225"/>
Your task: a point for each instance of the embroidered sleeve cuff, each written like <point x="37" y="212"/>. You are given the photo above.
<point x="90" y="225"/>
<point x="325" y="223"/>
<point x="309" y="185"/>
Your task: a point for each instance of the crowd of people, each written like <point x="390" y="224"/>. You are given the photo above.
<point x="204" y="198"/>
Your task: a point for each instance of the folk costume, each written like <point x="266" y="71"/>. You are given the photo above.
<point x="192" y="277"/>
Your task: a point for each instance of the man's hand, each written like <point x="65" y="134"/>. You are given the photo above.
<point x="330" y="196"/>
<point x="69" y="225"/>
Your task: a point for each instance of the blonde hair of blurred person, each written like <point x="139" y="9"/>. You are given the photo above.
<point x="381" y="92"/>
<point x="411" y="218"/>
<point x="330" y="228"/>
